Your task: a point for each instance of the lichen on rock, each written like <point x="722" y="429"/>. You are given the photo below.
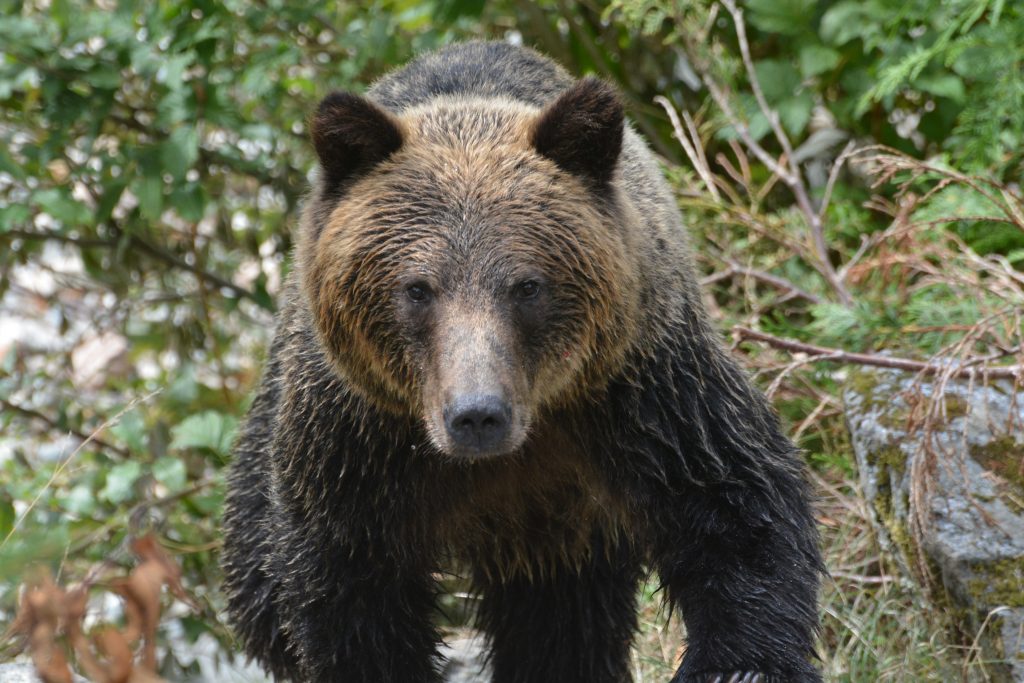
<point x="942" y="466"/>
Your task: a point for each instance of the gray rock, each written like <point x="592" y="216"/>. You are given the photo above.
<point x="23" y="672"/>
<point x="962" y="469"/>
<point x="466" y="661"/>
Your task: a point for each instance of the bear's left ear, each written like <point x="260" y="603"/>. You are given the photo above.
<point x="581" y="131"/>
<point x="351" y="134"/>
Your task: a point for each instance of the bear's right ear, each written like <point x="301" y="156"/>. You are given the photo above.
<point x="582" y="130"/>
<point x="351" y="135"/>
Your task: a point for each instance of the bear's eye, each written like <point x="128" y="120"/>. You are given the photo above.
<point x="418" y="293"/>
<point x="527" y="290"/>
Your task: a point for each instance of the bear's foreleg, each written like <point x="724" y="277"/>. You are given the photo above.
<point x="572" y="623"/>
<point x="742" y="566"/>
<point x="353" y="615"/>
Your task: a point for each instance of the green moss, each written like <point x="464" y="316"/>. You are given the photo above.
<point x="956" y="406"/>
<point x="1003" y="456"/>
<point x="864" y="383"/>
<point x="890" y="464"/>
<point x="998" y="583"/>
<point x="885" y="509"/>
<point x="891" y="457"/>
<point x="875" y="396"/>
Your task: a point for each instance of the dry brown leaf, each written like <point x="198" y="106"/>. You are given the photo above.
<point x="50" y="620"/>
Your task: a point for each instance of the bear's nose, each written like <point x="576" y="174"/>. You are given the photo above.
<point x="477" y="422"/>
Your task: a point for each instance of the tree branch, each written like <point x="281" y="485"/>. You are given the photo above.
<point x="55" y="426"/>
<point x="966" y="370"/>
<point x="142" y="245"/>
<point x="172" y="260"/>
<point x="762" y="276"/>
<point x="694" y="151"/>
<point x="790" y="173"/>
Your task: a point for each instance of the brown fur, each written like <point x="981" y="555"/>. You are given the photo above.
<point x="527" y="514"/>
<point x="487" y="232"/>
<point x="379" y="237"/>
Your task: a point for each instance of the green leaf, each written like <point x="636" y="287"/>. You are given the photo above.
<point x="207" y="503"/>
<point x="80" y="501"/>
<point x="29" y="546"/>
<point x="210" y="430"/>
<point x="779" y="79"/>
<point x="848" y="20"/>
<point x="943" y="85"/>
<point x="120" y="480"/>
<point x="112" y="192"/>
<point x="170" y="472"/>
<point x="150" y="192"/>
<point x="450" y="10"/>
<point x="180" y="151"/>
<point x="14" y="216"/>
<point x="8" y="164"/>
<point x="7" y="517"/>
<point x="184" y="389"/>
<point x="795" y="113"/>
<point x="817" y="59"/>
<point x="131" y="429"/>
<point x="105" y="77"/>
<point x="172" y="70"/>
<point x="58" y="203"/>
<point x="786" y="17"/>
<point x="189" y="201"/>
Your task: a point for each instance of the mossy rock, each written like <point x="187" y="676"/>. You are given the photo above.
<point x="967" y="460"/>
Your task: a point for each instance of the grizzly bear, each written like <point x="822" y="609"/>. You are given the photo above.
<point x="493" y="356"/>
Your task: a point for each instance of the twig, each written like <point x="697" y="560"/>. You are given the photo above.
<point x="697" y="159"/>
<point x="743" y="131"/>
<point x="755" y="86"/>
<point x="91" y="438"/>
<point x="967" y="369"/>
<point x="791" y="175"/>
<point x="793" y="178"/>
<point x="54" y="425"/>
<point x="760" y="275"/>
<point x="82" y="242"/>
<point x="142" y="245"/>
<point x="861" y="578"/>
<point x="833" y="176"/>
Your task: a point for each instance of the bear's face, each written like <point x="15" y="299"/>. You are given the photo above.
<point x="472" y="271"/>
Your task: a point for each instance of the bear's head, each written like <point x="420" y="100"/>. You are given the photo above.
<point x="466" y="262"/>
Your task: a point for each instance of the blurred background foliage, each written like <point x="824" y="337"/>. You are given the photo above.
<point x="153" y="157"/>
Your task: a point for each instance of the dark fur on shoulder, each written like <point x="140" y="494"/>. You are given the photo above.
<point x="493" y="356"/>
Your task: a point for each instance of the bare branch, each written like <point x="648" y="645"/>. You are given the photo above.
<point x="137" y="242"/>
<point x="743" y="131"/>
<point x="833" y="176"/>
<point x="698" y="160"/>
<point x="755" y="86"/>
<point x="761" y="276"/>
<point x="57" y="427"/>
<point x="965" y="370"/>
<point x="785" y="168"/>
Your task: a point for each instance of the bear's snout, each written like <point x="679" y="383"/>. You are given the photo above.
<point x="478" y="423"/>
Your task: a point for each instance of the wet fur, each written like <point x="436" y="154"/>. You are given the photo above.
<point x="647" y="446"/>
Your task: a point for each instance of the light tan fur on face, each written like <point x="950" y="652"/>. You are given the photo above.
<point x="467" y="194"/>
<point x="468" y="360"/>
